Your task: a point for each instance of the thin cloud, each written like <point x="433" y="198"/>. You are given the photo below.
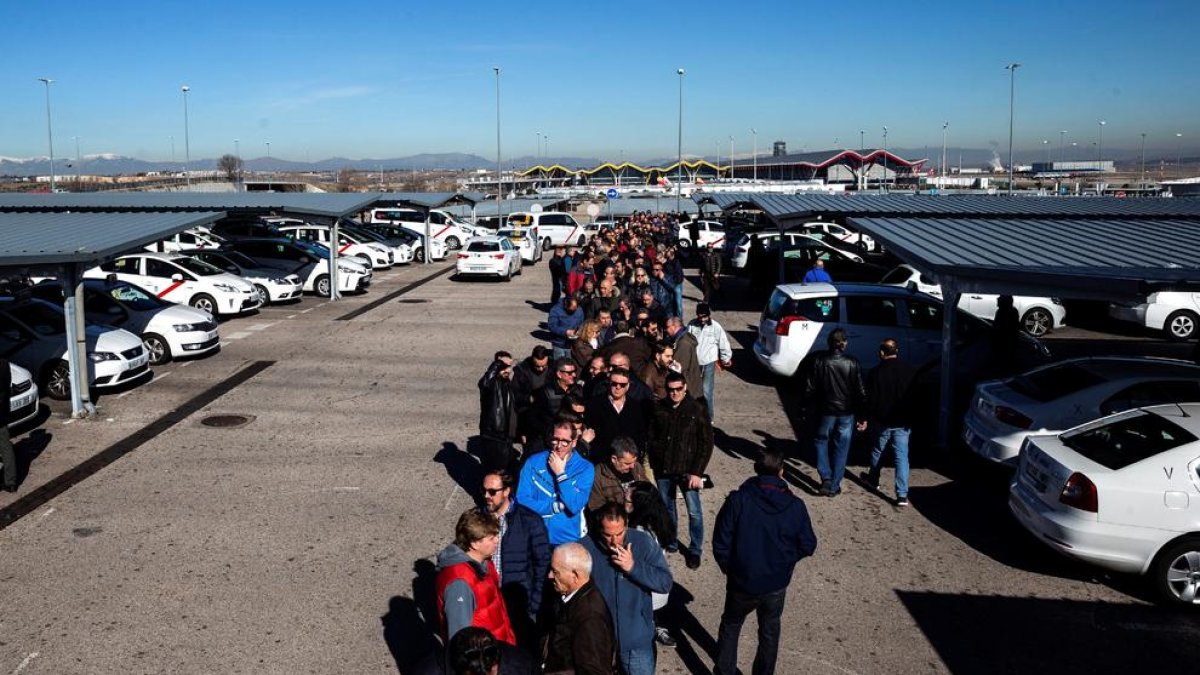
<point x="322" y="95"/>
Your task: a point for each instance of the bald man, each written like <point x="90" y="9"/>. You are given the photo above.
<point x="580" y="636"/>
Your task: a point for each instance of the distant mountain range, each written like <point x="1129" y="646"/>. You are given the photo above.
<point x="111" y="165"/>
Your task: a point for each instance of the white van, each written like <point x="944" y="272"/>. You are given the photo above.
<point x="555" y="229"/>
<point x="443" y="226"/>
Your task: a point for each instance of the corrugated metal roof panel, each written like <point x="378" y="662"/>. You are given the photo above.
<point x="57" y="238"/>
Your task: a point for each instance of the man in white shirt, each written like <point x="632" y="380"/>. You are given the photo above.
<point x="712" y="350"/>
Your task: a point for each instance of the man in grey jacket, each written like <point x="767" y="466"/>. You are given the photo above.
<point x="712" y="351"/>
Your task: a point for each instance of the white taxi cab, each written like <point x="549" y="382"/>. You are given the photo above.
<point x="488" y="256"/>
<point x="22" y="396"/>
<point x="184" y="280"/>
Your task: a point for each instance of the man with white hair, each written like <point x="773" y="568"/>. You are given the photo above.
<point x="580" y="637"/>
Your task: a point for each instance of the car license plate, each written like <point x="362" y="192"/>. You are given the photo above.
<point x="973" y="440"/>
<point x="139" y="361"/>
<point x="25" y="400"/>
<point x="1035" y="478"/>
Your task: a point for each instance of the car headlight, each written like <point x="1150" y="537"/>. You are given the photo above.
<point x="187" y="327"/>
<point x="225" y="287"/>
<point x="348" y="270"/>
<point x="97" y="357"/>
<point x="280" y="280"/>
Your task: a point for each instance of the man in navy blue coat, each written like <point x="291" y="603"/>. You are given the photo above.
<point x="523" y="557"/>
<point x="762" y="531"/>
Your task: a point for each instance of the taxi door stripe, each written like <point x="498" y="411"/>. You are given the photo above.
<point x="439" y="232"/>
<point x="170" y="288"/>
<point x="343" y="249"/>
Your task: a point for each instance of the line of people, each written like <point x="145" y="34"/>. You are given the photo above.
<point x="585" y="446"/>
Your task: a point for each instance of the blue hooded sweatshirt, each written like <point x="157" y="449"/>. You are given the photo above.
<point x="762" y="531"/>
<point x="628" y="595"/>
<point x="560" y="500"/>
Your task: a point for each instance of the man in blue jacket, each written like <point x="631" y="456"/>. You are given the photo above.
<point x="556" y="483"/>
<point x="762" y="531"/>
<point x="564" y="322"/>
<point x="627" y="566"/>
<point x="523" y="557"/>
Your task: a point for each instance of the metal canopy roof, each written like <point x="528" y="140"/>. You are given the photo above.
<point x="332" y="205"/>
<point x="1100" y="259"/>
<point x="786" y="207"/>
<point x="65" y="238"/>
<point x="428" y="200"/>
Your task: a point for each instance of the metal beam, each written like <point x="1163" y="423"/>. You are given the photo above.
<point x="950" y="296"/>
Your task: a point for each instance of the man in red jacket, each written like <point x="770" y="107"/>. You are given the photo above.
<point x="468" y="587"/>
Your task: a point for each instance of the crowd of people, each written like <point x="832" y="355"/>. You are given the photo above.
<point x="586" y="445"/>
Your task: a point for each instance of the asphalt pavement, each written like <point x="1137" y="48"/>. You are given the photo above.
<point x="301" y="539"/>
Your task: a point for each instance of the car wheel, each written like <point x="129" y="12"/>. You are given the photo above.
<point x="56" y="381"/>
<point x="507" y="277"/>
<point x="205" y="302"/>
<point x="262" y="291"/>
<point x="322" y="286"/>
<point x="419" y="255"/>
<point x="1175" y="573"/>
<point x="157" y="348"/>
<point x="546" y="244"/>
<point x="1037" y="322"/>
<point x="365" y="260"/>
<point x="685" y="243"/>
<point x="453" y="243"/>
<point x="1181" y="325"/>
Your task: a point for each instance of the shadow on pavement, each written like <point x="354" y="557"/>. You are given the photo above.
<point x="463" y="466"/>
<point x="410" y="626"/>
<point x="993" y="634"/>
<point x="689" y="633"/>
<point x="28" y="449"/>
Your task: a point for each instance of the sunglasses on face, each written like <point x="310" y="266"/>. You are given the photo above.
<point x="619" y="385"/>
<point x="492" y="492"/>
<point x="568" y="372"/>
<point x="674" y="390"/>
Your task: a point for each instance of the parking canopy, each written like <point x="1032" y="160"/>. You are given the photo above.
<point x="1088" y="259"/>
<point x="44" y="239"/>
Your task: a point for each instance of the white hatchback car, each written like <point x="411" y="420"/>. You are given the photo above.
<point x="443" y="226"/>
<point x="710" y="231"/>
<point x="1038" y="315"/>
<point x="22" y="396"/>
<point x="489" y="256"/>
<point x="183" y="280"/>
<point x="1121" y="493"/>
<point x="368" y="252"/>
<point x="189" y="240"/>
<point x="1175" y="313"/>
<point x="1068" y="393"/>
<point x="844" y="233"/>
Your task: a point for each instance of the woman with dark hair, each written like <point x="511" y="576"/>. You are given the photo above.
<point x="473" y="651"/>
<point x="649" y="514"/>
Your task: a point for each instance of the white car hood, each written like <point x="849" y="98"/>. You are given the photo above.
<point x="105" y="339"/>
<point x="233" y="280"/>
<point x="18" y="374"/>
<point x="175" y="315"/>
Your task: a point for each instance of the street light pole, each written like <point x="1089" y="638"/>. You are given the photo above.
<point x="1046" y="149"/>
<point x="1100" y="147"/>
<point x="269" y="186"/>
<point x="49" y="130"/>
<point x="1062" y="145"/>
<point x="885" y="159"/>
<point x="187" y="146"/>
<point x="1143" y="153"/>
<point x="754" y="133"/>
<point x="499" y="169"/>
<point x="1012" y="89"/>
<point x="679" y="160"/>
<point x="1178" y="148"/>
<point x="237" y="153"/>
<point x="942" y="174"/>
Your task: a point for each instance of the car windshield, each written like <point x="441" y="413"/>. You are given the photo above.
<point x="483" y="246"/>
<point x="899" y="275"/>
<point x="240" y="259"/>
<point x="1128" y="440"/>
<point x="133" y="297"/>
<point x="1048" y="384"/>
<point x="197" y="267"/>
<point x="362" y="235"/>
<point x="40" y="318"/>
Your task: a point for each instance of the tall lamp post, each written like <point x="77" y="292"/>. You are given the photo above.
<point x="885" y="159"/>
<point x="754" y="133"/>
<point x="269" y="186"/>
<point x="1062" y="145"/>
<point x="237" y="153"/>
<point x="1012" y="90"/>
<point x="1178" y="148"/>
<point x="1100" y="146"/>
<point x="679" y="160"/>
<point x="942" y="174"/>
<point x="1046" y="149"/>
<point x="1143" y="154"/>
<point x="731" y="164"/>
<point x="499" y="170"/>
<point x="49" y="130"/>
<point x="187" y="147"/>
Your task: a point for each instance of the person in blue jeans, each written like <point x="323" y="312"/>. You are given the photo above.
<point x="681" y="445"/>
<point x="889" y="415"/>
<point x="834" y="391"/>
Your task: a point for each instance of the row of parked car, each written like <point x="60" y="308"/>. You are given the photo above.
<point x="1105" y="450"/>
<point x="145" y="308"/>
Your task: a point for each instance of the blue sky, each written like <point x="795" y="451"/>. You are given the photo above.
<point x="388" y="79"/>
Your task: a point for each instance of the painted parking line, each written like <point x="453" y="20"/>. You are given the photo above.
<point x="260" y="326"/>
<point x="156" y="378"/>
<point x="239" y="335"/>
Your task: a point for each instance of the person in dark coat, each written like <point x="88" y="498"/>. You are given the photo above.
<point x="629" y="344"/>
<point x="8" y="457"/>
<point x="681" y="444"/>
<point x="685" y="355"/>
<point x="834" y="389"/>
<point x="616" y="414"/>
<point x="523" y="557"/>
<point x="579" y="636"/>
<point x="889" y="415"/>
<point x="710" y="272"/>
<point x="547" y="402"/>
<point x="761" y="532"/>
<point x="558" y="273"/>
<point x="497" y="413"/>
<point x="473" y="651"/>
<point x="528" y="376"/>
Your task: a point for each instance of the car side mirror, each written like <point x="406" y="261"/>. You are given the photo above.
<point x="176" y="277"/>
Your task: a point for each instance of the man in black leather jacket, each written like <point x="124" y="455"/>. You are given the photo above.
<point x="835" y="392"/>
<point x="497" y="413"/>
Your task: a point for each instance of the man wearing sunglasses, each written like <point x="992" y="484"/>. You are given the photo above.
<point x="523" y="556"/>
<point x="556" y="483"/>
<point x="681" y="444"/>
<point x="615" y="413"/>
<point x="547" y="401"/>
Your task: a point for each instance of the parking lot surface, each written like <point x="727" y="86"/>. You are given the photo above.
<point x="302" y="540"/>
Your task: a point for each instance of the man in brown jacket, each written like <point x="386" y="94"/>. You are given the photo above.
<point x="681" y="443"/>
<point x="579" y="638"/>
<point x="614" y="477"/>
<point x="685" y="356"/>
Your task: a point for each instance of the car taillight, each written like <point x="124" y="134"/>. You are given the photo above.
<point x="498" y="256"/>
<point x="463" y="255"/>
<point x="1012" y="417"/>
<point x="784" y="325"/>
<point x="1080" y="492"/>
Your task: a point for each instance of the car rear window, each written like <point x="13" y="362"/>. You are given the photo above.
<point x="1054" y="383"/>
<point x="823" y="309"/>
<point x="483" y="246"/>
<point x="1128" y="440"/>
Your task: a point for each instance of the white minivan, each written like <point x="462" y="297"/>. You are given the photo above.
<point x="443" y="226"/>
<point x="555" y="229"/>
